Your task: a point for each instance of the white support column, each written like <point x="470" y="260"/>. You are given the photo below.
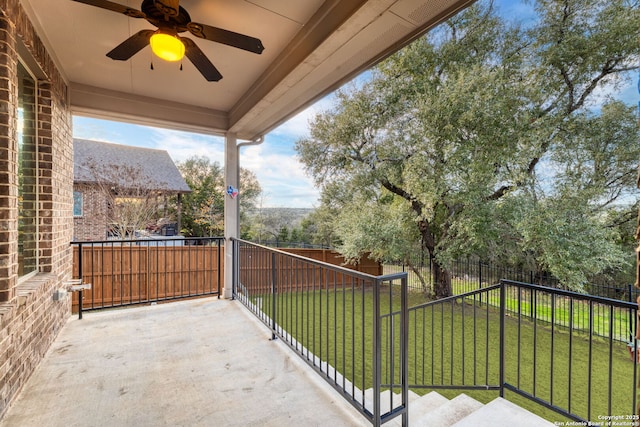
<point x="231" y="209"/>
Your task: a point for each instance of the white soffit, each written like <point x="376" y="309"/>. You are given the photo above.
<point x="311" y="48"/>
<point x="371" y="34"/>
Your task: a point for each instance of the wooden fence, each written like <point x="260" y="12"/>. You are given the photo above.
<point x="365" y="265"/>
<point x="125" y="275"/>
<point x="291" y="274"/>
<point x="132" y="274"/>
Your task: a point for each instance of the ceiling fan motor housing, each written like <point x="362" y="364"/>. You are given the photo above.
<point x="156" y="14"/>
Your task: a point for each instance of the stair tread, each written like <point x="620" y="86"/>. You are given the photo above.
<point x="385" y="400"/>
<point x="501" y="412"/>
<point x="433" y="409"/>
<point x="413" y="396"/>
<point x="448" y="413"/>
<point x="420" y="407"/>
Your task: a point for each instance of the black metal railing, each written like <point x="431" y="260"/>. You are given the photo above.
<point x="471" y="274"/>
<point x="142" y="271"/>
<point x="561" y="352"/>
<point x="334" y="318"/>
<point x="454" y="343"/>
<point x="537" y="343"/>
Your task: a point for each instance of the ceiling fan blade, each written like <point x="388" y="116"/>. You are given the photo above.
<point x="229" y="38"/>
<point x="168" y="7"/>
<point x="131" y="46"/>
<point x="115" y="7"/>
<point x="200" y="60"/>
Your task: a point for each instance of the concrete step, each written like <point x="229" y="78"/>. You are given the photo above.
<point x="500" y="412"/>
<point x="446" y="414"/>
<point x="435" y="410"/>
<point x="385" y="399"/>
<point x="413" y="396"/>
<point x="419" y="407"/>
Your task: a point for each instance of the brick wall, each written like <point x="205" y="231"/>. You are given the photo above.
<point x="29" y="317"/>
<point x="92" y="225"/>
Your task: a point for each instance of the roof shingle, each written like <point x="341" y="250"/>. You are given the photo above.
<point x="155" y="166"/>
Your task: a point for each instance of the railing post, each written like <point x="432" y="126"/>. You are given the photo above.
<point x="149" y="268"/>
<point x="377" y="353"/>
<point x="632" y="320"/>
<point x="404" y="348"/>
<point x="80" y="277"/>
<point x="235" y="263"/>
<point x="480" y="282"/>
<point x="235" y="268"/>
<point x="531" y="277"/>
<point x="502" y="335"/>
<point x="273" y="295"/>
<point x="634" y="333"/>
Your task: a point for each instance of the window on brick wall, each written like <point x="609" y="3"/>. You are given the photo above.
<point x="77" y="203"/>
<point x="27" y="174"/>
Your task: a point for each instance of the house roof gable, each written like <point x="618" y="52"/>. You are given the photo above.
<point x="154" y="166"/>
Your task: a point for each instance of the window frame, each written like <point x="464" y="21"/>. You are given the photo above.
<point x="22" y="72"/>
<point x="78" y="202"/>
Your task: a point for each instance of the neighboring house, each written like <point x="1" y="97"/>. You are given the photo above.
<point x="96" y="162"/>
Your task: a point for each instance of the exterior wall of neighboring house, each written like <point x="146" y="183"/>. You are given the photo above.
<point x="30" y="318"/>
<point x="90" y="219"/>
<point x="130" y="172"/>
<point x="91" y="214"/>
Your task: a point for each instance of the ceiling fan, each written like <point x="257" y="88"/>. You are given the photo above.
<point x="171" y="19"/>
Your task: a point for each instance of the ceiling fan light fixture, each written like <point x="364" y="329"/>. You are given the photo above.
<point x="167" y="46"/>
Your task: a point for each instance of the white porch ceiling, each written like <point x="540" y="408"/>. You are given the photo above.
<point x="311" y="48"/>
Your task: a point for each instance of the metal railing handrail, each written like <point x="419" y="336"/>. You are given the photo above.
<point x="456" y="297"/>
<point x="571" y="294"/>
<point x="148" y="240"/>
<point x="276" y="311"/>
<point x="573" y="297"/>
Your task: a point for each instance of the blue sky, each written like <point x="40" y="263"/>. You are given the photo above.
<point x="282" y="177"/>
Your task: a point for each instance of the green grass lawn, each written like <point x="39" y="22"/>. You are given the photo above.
<point x="458" y="344"/>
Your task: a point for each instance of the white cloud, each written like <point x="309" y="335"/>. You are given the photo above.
<point x="282" y="177"/>
<point x="182" y="145"/>
<point x="275" y="164"/>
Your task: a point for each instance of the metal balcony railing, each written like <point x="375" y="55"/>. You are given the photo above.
<point x="336" y="319"/>
<point x="555" y="348"/>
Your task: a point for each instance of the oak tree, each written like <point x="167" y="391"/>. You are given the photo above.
<point x="487" y="136"/>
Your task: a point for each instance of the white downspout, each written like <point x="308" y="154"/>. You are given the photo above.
<point x="231" y="204"/>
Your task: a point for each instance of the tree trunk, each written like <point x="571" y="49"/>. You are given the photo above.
<point x="441" y="276"/>
<point x="420" y="275"/>
<point x="441" y="281"/>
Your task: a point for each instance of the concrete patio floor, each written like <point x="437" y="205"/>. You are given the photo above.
<point x="204" y="362"/>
